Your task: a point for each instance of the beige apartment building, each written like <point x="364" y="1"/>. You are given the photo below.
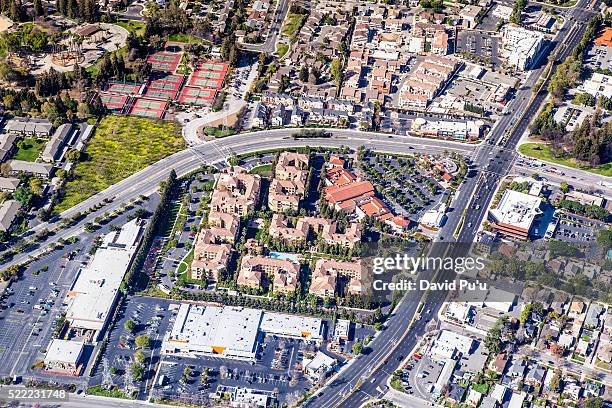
<point x="236" y="193"/>
<point x="283" y="273"/>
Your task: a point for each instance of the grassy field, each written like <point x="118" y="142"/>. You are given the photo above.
<point x="293" y="22"/>
<point x="184" y="38"/>
<point x="29" y="149"/>
<point x="121" y="146"/>
<point x="543" y="152"/>
<point x="135" y="27"/>
<point x="281" y="49"/>
<point x="264" y="170"/>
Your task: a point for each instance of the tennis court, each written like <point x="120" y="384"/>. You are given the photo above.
<point x="149" y="108"/>
<point x="206" y="82"/>
<point x="196" y="96"/>
<point x="166" y="87"/>
<point x="127" y="88"/>
<point x="213" y="66"/>
<point x="164" y="61"/>
<point x="113" y="102"/>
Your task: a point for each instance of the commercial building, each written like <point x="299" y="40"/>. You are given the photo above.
<point x="599" y="85"/>
<point x="233" y="332"/>
<point x="92" y="296"/>
<point x="449" y="344"/>
<point x="228" y="332"/>
<point x="471" y="129"/>
<point x="515" y="214"/>
<point x="319" y="366"/>
<point x="64" y="357"/>
<point x="522" y="47"/>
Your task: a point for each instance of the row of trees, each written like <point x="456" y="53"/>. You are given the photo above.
<point x="86" y="10"/>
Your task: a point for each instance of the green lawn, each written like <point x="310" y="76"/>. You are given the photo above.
<point x="264" y="170"/>
<point x="184" y="38"/>
<point x="135" y="27"/>
<point x="121" y="146"/>
<point x="281" y="49"/>
<point x="216" y="132"/>
<point x="543" y="152"/>
<point x="29" y="149"/>
<point x="293" y="23"/>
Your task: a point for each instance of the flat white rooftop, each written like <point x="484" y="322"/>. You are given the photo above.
<point x="291" y="325"/>
<point x="229" y="331"/>
<point x="517" y="209"/>
<point x="64" y="351"/>
<point x="92" y="295"/>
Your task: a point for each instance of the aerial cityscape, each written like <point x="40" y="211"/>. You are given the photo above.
<point x="290" y="203"/>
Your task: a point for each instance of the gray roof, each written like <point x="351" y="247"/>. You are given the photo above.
<point x="52" y="148"/>
<point x="9" y="183"/>
<point x="7" y="141"/>
<point x="28" y="125"/>
<point x="8" y="212"/>
<point x="41" y="169"/>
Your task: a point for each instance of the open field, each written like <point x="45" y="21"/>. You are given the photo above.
<point x="29" y="149"/>
<point x="293" y="22"/>
<point x="542" y="152"/>
<point x="121" y="146"/>
<point x="135" y="27"/>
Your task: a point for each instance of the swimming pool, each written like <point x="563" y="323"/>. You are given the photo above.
<point x="285" y="255"/>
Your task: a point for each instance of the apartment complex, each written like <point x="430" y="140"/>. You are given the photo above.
<point x="236" y="193"/>
<point x="281" y="274"/>
<point x="289" y="183"/>
<point x="327" y="272"/>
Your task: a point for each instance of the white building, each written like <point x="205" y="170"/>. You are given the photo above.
<point x="470" y="129"/>
<point x="342" y="330"/>
<point x="91" y="299"/>
<point x="317" y="368"/>
<point x="233" y="332"/>
<point x="521" y="46"/>
<point x="599" y="85"/>
<point x="449" y="343"/>
<point x="229" y="332"/>
<point x="515" y="214"/>
<point x="64" y="357"/>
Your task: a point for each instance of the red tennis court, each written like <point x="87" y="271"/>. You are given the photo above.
<point x="197" y="96"/>
<point x="165" y="88"/>
<point x="127" y="88"/>
<point x="164" y="61"/>
<point x="113" y="102"/>
<point x="149" y="108"/>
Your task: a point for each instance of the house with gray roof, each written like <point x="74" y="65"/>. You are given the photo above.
<point x="29" y="126"/>
<point x="42" y="170"/>
<point x="53" y="148"/>
<point x="9" y="184"/>
<point x="8" y="213"/>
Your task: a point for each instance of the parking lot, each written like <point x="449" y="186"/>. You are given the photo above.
<point x="419" y="375"/>
<point x="574" y="228"/>
<point x="482" y="46"/>
<point x="405" y="185"/>
<point x="278" y="369"/>
<point x="152" y="318"/>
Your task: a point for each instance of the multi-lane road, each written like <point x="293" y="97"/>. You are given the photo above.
<point x="492" y="160"/>
<point x="147" y="181"/>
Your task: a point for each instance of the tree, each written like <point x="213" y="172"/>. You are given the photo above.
<point x="593" y="402"/>
<point x="73" y="155"/>
<point x="140" y="356"/>
<point x="493" y="340"/>
<point x="129" y="325"/>
<point x="137" y="371"/>
<point x="555" y="383"/>
<point x="357" y="348"/>
<point x="39" y="9"/>
<point x="604" y="238"/>
<point x="36" y="186"/>
<point x="584" y="99"/>
<point x="142" y="341"/>
<point x="564" y="187"/>
<point x="24" y="196"/>
<point x="336" y="71"/>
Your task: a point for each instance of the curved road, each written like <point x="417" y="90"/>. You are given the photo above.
<point x="147" y="180"/>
